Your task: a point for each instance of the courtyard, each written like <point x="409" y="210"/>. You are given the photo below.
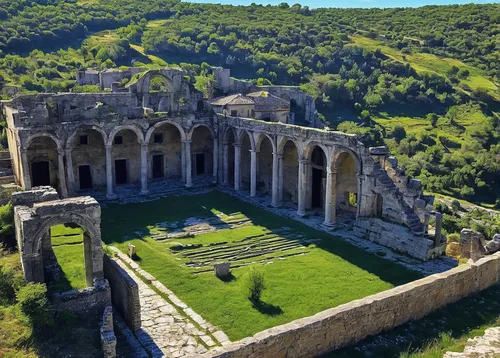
<point x="179" y="238"/>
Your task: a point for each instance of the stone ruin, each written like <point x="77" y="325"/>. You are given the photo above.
<point x="472" y="245"/>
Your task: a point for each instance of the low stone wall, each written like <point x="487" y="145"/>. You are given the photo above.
<point x="108" y="338"/>
<point x="87" y="302"/>
<point x="398" y="238"/>
<point x="349" y="323"/>
<point x="124" y="293"/>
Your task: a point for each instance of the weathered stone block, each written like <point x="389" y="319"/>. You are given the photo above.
<point x="222" y="270"/>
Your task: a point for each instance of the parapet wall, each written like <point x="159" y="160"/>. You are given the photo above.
<point x="125" y="293"/>
<point x="349" y="323"/>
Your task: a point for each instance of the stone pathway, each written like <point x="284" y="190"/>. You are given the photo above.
<point x="169" y="327"/>
<point x="487" y="346"/>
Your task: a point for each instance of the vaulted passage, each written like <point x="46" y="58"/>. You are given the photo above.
<point x="230" y="138"/>
<point x="165" y="152"/>
<point x="43" y="159"/>
<point x="265" y="167"/>
<point x="245" y="161"/>
<point x="347" y="183"/>
<point x="126" y="157"/>
<point x="290" y="172"/>
<point x="202" y="151"/>
<point x="316" y="175"/>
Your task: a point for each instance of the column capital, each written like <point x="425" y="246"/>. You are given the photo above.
<point x="237" y="145"/>
<point x="144" y="145"/>
<point x="187" y="141"/>
<point x="224" y="143"/>
<point x="304" y="161"/>
<point x="23" y="150"/>
<point x="331" y="171"/>
<point x="109" y="146"/>
<point x="60" y="151"/>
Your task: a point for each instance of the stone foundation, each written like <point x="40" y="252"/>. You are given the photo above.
<point x="349" y="323"/>
<point x="398" y="238"/>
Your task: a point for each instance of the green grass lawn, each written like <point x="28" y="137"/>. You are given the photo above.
<point x="67" y="243"/>
<point x="332" y="272"/>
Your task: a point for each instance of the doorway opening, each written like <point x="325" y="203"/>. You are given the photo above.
<point x="158" y="171"/>
<point x="85" y="177"/>
<point x="200" y="163"/>
<point x="317" y="182"/>
<point x="41" y="173"/>
<point x="121" y="171"/>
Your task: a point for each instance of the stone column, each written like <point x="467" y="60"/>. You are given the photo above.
<point x="144" y="168"/>
<point x="301" y="187"/>
<point x="237" y="169"/>
<point x="183" y="162"/>
<point x="280" y="178"/>
<point x="225" y="163"/>
<point x="109" y="172"/>
<point x="70" y="172"/>
<point x="189" y="170"/>
<point x="253" y="173"/>
<point x="275" y="182"/>
<point x="26" y="169"/>
<point x="439" y="223"/>
<point x="360" y="195"/>
<point x="61" y="173"/>
<point x="334" y="196"/>
<point x="328" y="197"/>
<point x="216" y="159"/>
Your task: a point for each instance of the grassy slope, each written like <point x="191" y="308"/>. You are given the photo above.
<point x="332" y="273"/>
<point x="425" y="62"/>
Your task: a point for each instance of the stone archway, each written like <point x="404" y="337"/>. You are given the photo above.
<point x="201" y="151"/>
<point x="346" y="169"/>
<point x="265" y="147"/>
<point x="164" y="142"/>
<point x="290" y="172"/>
<point x="33" y="220"/>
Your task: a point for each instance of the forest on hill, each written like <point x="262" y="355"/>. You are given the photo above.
<point x="425" y="81"/>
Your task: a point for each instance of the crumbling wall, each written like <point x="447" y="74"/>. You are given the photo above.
<point x="90" y="301"/>
<point x="351" y="322"/>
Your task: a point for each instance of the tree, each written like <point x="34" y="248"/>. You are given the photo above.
<point x="432" y="117"/>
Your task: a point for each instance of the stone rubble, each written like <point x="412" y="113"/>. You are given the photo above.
<point x="487" y="346"/>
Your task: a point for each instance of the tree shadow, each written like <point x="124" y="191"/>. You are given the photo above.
<point x="266" y="308"/>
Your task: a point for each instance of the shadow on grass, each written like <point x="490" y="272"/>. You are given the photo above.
<point x="136" y="258"/>
<point x="266" y="308"/>
<point x="228" y="278"/>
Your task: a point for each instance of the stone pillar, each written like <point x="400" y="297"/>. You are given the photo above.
<point x="360" y="195"/>
<point x="334" y="196"/>
<point x="144" y="168"/>
<point x="439" y="223"/>
<point x="301" y="187"/>
<point x="216" y="159"/>
<point x="26" y="169"/>
<point x="280" y="178"/>
<point x="225" y="163"/>
<point x="329" y="197"/>
<point x="109" y="172"/>
<point x="237" y="169"/>
<point x="275" y="183"/>
<point x="183" y="162"/>
<point x="61" y="173"/>
<point x="189" y="170"/>
<point x="70" y="172"/>
<point x="253" y="173"/>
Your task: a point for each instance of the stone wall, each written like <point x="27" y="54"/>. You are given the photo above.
<point x="108" y="338"/>
<point x="349" y="323"/>
<point x="87" y="302"/>
<point x="125" y="293"/>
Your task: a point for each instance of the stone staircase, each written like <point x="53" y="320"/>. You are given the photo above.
<point x="410" y="218"/>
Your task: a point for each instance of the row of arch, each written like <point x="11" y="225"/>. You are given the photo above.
<point x="308" y="174"/>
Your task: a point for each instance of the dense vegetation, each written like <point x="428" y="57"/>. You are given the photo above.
<point x="423" y="81"/>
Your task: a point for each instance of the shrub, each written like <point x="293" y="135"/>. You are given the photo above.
<point x="455" y="237"/>
<point x="255" y="285"/>
<point x="455" y="205"/>
<point x="33" y="303"/>
<point x="7" y="286"/>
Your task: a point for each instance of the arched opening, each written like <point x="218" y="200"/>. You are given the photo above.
<point x="231" y="139"/>
<point x="67" y="258"/>
<point x="126" y="155"/>
<point x="43" y="162"/>
<point x="202" y="152"/>
<point x="88" y="160"/>
<point x="317" y="175"/>
<point x="246" y="147"/>
<point x="158" y="83"/>
<point x="265" y="167"/>
<point x="165" y="152"/>
<point x="347" y="182"/>
<point x="290" y="172"/>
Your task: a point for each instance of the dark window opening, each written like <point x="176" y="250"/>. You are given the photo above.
<point x="200" y="163"/>
<point x="41" y="173"/>
<point x="158" y="166"/>
<point x="121" y="171"/>
<point x="234" y="113"/>
<point x="158" y="138"/>
<point x="252" y="113"/>
<point x="84" y="139"/>
<point x="85" y="177"/>
<point x="118" y="139"/>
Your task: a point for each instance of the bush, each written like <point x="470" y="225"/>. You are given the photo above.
<point x="255" y="285"/>
<point x="455" y="237"/>
<point x="7" y="286"/>
<point x="455" y="205"/>
<point x="33" y="303"/>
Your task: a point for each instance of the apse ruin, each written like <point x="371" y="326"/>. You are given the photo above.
<point x="259" y="140"/>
